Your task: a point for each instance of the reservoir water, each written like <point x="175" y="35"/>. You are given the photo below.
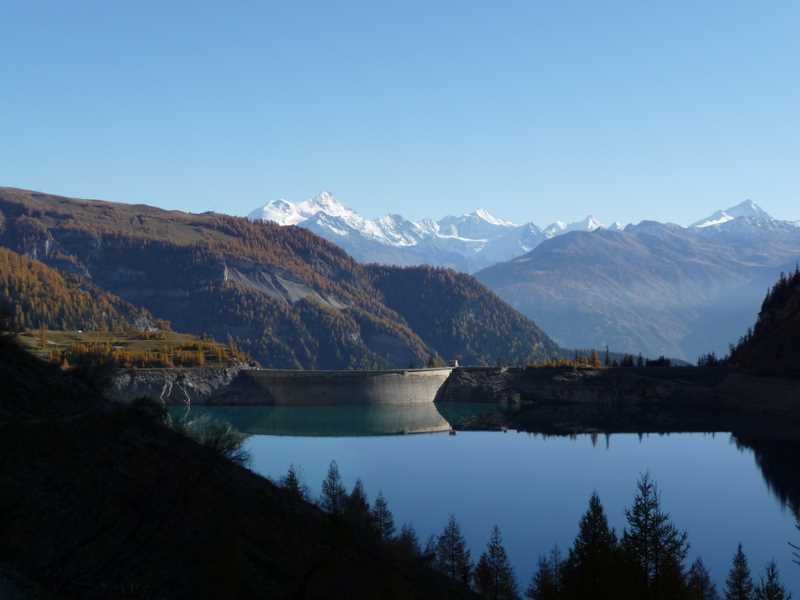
<point x="534" y="487"/>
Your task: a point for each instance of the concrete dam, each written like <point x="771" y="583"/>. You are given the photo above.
<point x="341" y="388"/>
<point x="275" y="387"/>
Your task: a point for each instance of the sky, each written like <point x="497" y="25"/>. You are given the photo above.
<point x="534" y="110"/>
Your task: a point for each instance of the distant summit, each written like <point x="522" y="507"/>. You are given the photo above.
<point x="746" y="209"/>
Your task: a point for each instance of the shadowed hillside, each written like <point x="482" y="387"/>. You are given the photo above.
<point x="772" y="347"/>
<point x="459" y="317"/>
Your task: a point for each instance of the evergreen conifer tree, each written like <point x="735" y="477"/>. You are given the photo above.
<point x="699" y="584"/>
<point x="408" y="540"/>
<point x="356" y="509"/>
<point x="291" y="483"/>
<point x="333" y="491"/>
<point x="382" y="518"/>
<point x="770" y="587"/>
<point x="739" y="585"/>
<point x="591" y="566"/>
<point x="547" y="581"/>
<point x="494" y="577"/>
<point x="452" y="555"/>
<point x="654" y="548"/>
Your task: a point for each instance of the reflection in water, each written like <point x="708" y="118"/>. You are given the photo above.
<point x="777" y="459"/>
<point x="536" y="485"/>
<point x="333" y="421"/>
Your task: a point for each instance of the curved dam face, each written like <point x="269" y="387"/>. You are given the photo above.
<point x="341" y="388"/>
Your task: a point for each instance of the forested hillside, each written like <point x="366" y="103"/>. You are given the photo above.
<point x="772" y="347"/>
<point x="34" y="295"/>
<point x="458" y="316"/>
<point x="284" y="295"/>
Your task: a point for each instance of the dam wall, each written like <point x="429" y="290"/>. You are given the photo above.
<point x="269" y="387"/>
<point x="341" y="388"/>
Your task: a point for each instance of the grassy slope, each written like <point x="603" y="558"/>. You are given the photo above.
<point x="127" y="342"/>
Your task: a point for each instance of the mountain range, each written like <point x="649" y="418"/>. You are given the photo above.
<point x="286" y="296"/>
<point x="651" y="288"/>
<point x="465" y="243"/>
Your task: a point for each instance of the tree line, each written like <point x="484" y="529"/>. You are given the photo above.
<point x="648" y="561"/>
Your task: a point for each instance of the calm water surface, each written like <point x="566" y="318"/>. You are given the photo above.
<point x="535" y="488"/>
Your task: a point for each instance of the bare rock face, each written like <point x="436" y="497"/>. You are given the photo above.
<point x="181" y="386"/>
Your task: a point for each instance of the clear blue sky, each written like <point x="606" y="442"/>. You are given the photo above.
<point x="535" y="110"/>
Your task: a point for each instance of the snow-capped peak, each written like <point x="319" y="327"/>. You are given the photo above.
<point x="748" y="208"/>
<point x="324" y="202"/>
<point x="591" y="223"/>
<point x="485" y="215"/>
<point x="284" y="212"/>
<point x="280" y="211"/>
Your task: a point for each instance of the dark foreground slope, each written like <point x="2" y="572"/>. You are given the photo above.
<point x="458" y="316"/>
<point x="772" y="347"/>
<point x="106" y="502"/>
<point x="288" y="297"/>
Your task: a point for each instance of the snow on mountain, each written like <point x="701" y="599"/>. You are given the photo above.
<point x="280" y="211"/>
<point x="484" y="214"/>
<point x="590" y="223"/>
<point x="466" y="242"/>
<point x="747" y="209"/>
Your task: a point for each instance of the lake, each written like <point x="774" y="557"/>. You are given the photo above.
<point x="534" y="487"/>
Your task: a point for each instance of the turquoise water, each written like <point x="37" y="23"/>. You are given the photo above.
<point x="535" y="488"/>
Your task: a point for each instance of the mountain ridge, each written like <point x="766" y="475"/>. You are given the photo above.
<point x="288" y="297"/>
<point x="468" y="242"/>
<point x="652" y="288"/>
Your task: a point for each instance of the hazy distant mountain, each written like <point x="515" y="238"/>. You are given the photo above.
<point x="653" y="288"/>
<point x="747" y="209"/>
<point x="466" y="243"/>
